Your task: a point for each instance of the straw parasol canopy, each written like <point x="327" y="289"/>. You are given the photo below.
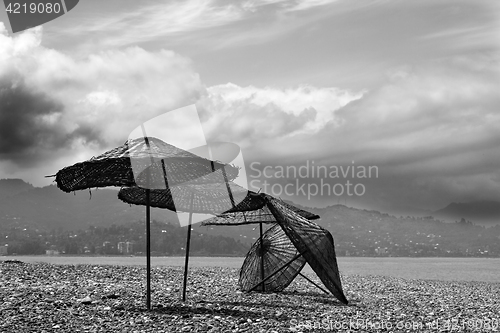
<point x="195" y="198"/>
<point x="313" y="242"/>
<point x="269" y="253"/>
<point x="261" y="215"/>
<point x="117" y="166"/>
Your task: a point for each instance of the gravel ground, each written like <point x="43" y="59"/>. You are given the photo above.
<point x="96" y="298"/>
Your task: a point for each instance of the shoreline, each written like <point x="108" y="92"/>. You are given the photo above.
<point x="444" y="269"/>
<point x="228" y="256"/>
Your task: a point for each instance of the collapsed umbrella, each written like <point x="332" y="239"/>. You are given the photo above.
<point x="271" y="255"/>
<point x="260" y="215"/>
<point x="313" y="242"/>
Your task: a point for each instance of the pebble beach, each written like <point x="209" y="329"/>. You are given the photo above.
<point x="42" y="297"/>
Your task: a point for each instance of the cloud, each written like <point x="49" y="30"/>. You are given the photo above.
<point x="432" y="132"/>
<point x="27" y="120"/>
<point x="445" y="104"/>
<point x="52" y="102"/>
<point x="206" y="22"/>
<point x="152" y="20"/>
<point x="431" y="128"/>
<point x="251" y="115"/>
<point x="308" y="4"/>
<point x="477" y="27"/>
<point x="286" y="5"/>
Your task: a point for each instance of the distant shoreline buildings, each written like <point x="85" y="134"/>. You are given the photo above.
<point x="125" y="247"/>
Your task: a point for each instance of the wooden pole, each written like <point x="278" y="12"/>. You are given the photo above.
<point x="305" y="277"/>
<point x="262" y="258"/>
<point x="148" y="251"/>
<point x="188" y="243"/>
<point x="148" y="224"/>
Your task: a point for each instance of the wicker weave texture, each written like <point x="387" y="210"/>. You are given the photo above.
<point x="116" y="167"/>
<point x="275" y="249"/>
<point x="206" y="198"/>
<point x="313" y="242"/>
<point x="262" y="215"/>
<point x="253" y="201"/>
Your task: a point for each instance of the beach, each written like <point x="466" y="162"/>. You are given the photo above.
<point x="44" y="297"/>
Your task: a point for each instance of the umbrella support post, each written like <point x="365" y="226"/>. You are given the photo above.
<point x="275" y="272"/>
<point x="186" y="262"/>
<point x="262" y="275"/>
<point x="314" y="283"/>
<point x="148" y="252"/>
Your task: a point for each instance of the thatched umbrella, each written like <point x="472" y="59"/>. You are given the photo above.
<point x="148" y="162"/>
<point x="271" y="254"/>
<point x="260" y="215"/>
<point x="313" y="242"/>
<point x="213" y="199"/>
<point x="195" y="198"/>
<point x="126" y="166"/>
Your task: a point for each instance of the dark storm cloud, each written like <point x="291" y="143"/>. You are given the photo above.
<point x="29" y="123"/>
<point x="58" y="109"/>
<point x="432" y="132"/>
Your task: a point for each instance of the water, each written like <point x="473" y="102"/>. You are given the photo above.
<point x="446" y="269"/>
<point x="232" y="262"/>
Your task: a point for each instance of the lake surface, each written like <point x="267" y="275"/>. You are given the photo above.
<point x="447" y="269"/>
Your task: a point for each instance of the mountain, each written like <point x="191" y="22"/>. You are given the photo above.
<point x="479" y="212"/>
<point x="405" y="210"/>
<point x="10" y="187"/>
<point x="357" y="232"/>
<point x="369" y="232"/>
<point x="360" y="232"/>
<point x="49" y="208"/>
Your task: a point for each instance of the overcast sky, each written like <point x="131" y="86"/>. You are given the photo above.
<point x="411" y="87"/>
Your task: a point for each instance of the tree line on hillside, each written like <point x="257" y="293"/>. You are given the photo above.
<point x="166" y="239"/>
<point x="371" y="233"/>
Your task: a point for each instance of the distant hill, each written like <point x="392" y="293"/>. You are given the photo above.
<point x="48" y="208"/>
<point x="356" y="232"/>
<point x="479" y="212"/>
<point x="368" y="232"/>
<point x="11" y="187"/>
<point x="359" y="232"/>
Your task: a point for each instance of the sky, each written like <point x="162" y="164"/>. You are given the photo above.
<point x="405" y="89"/>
